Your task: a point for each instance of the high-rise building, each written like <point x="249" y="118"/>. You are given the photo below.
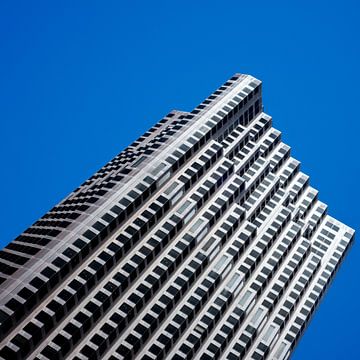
<point x="202" y="239"/>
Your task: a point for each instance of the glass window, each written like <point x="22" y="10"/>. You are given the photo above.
<point x="184" y="206"/>
<point x="246" y="299"/>
<point x="171" y="188"/>
<point x="158" y="169"/>
<point x="258" y="316"/>
<point x="196" y="225"/>
<point x="234" y="282"/>
<point x="139" y="161"/>
<point x="222" y="263"/>
<point x="269" y="334"/>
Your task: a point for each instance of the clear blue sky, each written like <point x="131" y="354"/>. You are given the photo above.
<point x="79" y="82"/>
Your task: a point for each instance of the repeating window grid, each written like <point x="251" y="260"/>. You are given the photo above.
<point x="272" y="138"/>
<point x="234" y="102"/>
<point x="305" y="204"/>
<point x="329" y="232"/>
<point x="242" y="138"/>
<point x="236" y="136"/>
<point x="258" y="199"/>
<point x="287" y="305"/>
<point x="102" y="263"/>
<point x="246" y="152"/>
<point x="225" y="124"/>
<point x="192" y="330"/>
<point x="183" y="315"/>
<point x="288" y="171"/>
<point x="235" y="133"/>
<point x="151" y="272"/>
<point x="120" y="207"/>
<point x="333" y="224"/>
<point x="231" y="120"/>
<point x="278" y="157"/>
<point x="242" y="165"/>
<point x="242" y="239"/>
<point x="280" y="275"/>
<point x="254" y="178"/>
<point x="264" y="212"/>
<point x="314" y="219"/>
<point x="254" y="281"/>
<point x="333" y="239"/>
<point x="211" y="341"/>
<point x="312" y="300"/>
<point x="219" y="274"/>
<point x="257" y="168"/>
<point x="226" y="113"/>
<point x="297" y="187"/>
<point x="167" y="121"/>
<point x="261" y="124"/>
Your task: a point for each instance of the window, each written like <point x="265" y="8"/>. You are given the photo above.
<point x="246" y="299"/>
<point x="234" y="282"/>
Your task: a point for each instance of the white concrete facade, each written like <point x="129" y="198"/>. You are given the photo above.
<point x="202" y="239"/>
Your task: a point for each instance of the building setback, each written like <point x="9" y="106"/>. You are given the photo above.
<point x="202" y="239"/>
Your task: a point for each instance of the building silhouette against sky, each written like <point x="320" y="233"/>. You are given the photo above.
<point x="202" y="239"/>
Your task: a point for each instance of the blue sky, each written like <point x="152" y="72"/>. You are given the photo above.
<point x="80" y="80"/>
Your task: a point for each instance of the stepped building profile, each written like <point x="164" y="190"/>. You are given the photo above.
<point x="201" y="240"/>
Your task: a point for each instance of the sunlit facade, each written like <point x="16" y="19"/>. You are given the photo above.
<point x="202" y="239"/>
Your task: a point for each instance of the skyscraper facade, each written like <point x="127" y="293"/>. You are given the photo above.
<point x="202" y="239"/>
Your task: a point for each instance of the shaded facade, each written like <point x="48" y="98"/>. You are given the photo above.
<point x="202" y="239"/>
